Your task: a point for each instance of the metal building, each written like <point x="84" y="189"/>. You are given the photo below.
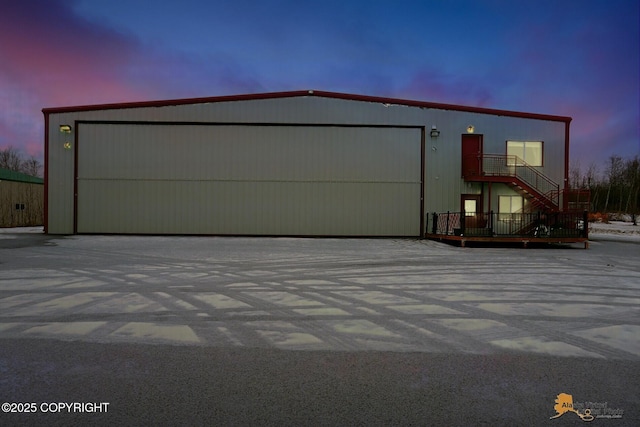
<point x="21" y="199"/>
<point x="305" y="163"/>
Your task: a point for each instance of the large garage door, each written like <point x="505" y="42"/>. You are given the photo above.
<point x="218" y="179"/>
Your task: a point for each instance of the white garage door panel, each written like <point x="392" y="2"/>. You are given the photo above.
<point x="251" y="180"/>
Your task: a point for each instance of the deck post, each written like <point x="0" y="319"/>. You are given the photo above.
<point x="426" y="226"/>
<point x="446" y="231"/>
<point x="491" y="222"/>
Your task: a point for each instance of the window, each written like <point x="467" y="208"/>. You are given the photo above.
<point x="470" y="207"/>
<point x="528" y="151"/>
<point x="508" y="205"/>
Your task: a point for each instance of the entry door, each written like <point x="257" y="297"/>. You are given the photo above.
<point x="472" y="206"/>
<point x="471" y="155"/>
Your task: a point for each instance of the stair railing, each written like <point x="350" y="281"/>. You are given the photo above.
<point x="513" y="166"/>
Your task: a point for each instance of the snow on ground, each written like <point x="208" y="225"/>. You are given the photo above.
<point x="15" y="230"/>
<point x="617" y="230"/>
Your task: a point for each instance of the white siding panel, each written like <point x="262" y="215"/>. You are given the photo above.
<point x="248" y="179"/>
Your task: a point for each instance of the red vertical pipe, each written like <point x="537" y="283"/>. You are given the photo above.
<point x="566" y="162"/>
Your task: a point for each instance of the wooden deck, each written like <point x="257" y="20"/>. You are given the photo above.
<point x="524" y="240"/>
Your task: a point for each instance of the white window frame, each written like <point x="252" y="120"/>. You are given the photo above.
<point x="468" y="212"/>
<point x="507" y="207"/>
<point x="521" y="148"/>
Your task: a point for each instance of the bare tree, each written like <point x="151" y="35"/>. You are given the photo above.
<point x="10" y="159"/>
<point x="32" y="166"/>
<point x="575" y="174"/>
<point x="632" y="182"/>
<point x="593" y="185"/>
<point x="614" y="172"/>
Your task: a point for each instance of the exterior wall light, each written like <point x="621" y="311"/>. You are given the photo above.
<point x="65" y="128"/>
<point x="470" y="129"/>
<point x="434" y="132"/>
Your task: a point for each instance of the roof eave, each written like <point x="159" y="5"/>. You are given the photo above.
<point x="292" y="94"/>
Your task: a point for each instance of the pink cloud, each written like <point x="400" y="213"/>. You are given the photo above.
<point x="61" y="57"/>
<point x="52" y="57"/>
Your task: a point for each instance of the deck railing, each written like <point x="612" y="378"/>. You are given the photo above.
<point x="492" y="224"/>
<point x="576" y="200"/>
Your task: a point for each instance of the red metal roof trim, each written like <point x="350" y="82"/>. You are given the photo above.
<point x="293" y="94"/>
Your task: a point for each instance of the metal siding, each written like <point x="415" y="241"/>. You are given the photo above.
<point x="236" y="179"/>
<point x="60" y="179"/>
<point x="28" y="194"/>
<point x="443" y="184"/>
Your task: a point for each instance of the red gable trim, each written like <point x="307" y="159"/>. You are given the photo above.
<point x="292" y="94"/>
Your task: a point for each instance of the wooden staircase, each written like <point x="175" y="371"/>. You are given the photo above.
<point x="537" y="201"/>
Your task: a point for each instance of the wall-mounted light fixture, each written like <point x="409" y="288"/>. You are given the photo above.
<point x="470" y="129"/>
<point x="434" y="132"/>
<point x="65" y="128"/>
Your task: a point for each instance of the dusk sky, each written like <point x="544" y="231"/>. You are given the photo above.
<point x="577" y="58"/>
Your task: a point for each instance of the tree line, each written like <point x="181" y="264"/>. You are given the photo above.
<point x="12" y="159"/>
<point x="615" y="190"/>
